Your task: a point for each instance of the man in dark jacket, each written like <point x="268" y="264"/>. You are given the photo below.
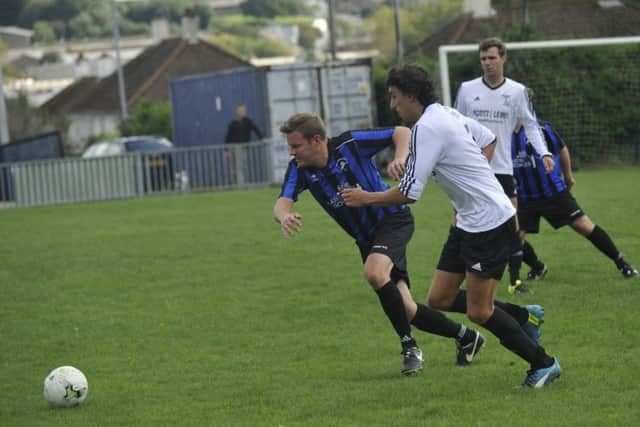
<point x="239" y="132"/>
<point x="240" y="128"/>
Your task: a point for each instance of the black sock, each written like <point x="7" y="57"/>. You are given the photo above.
<point x="530" y="257"/>
<point x="433" y="321"/>
<point x="511" y="336"/>
<point x="603" y="242"/>
<point x="392" y="304"/>
<point x="460" y="303"/>
<point x="517" y="312"/>
<point x="515" y="260"/>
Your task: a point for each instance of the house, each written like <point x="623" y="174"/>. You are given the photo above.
<point x="567" y="19"/>
<point x="23" y="62"/>
<point x="226" y="7"/>
<point x="93" y="106"/>
<point x="16" y="37"/>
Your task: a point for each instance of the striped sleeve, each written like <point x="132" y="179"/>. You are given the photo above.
<point x="293" y="183"/>
<point x="372" y="141"/>
<point x="554" y="137"/>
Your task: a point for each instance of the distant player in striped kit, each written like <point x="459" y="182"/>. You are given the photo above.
<point x="499" y="103"/>
<point x="548" y="196"/>
<point x="325" y="166"/>
<point x="444" y="149"/>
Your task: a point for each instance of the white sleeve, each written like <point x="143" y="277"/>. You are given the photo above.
<point x="481" y="134"/>
<point x="424" y="153"/>
<point x="527" y="118"/>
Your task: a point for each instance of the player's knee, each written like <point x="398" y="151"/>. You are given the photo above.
<point x="439" y="301"/>
<point x="479" y="315"/>
<point x="376" y="277"/>
<point x="584" y="226"/>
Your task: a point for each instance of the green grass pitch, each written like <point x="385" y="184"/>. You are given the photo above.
<point x="195" y="311"/>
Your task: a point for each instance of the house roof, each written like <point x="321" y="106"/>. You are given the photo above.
<point x="16" y="31"/>
<point x="24" y="61"/>
<point x="147" y="76"/>
<point x="551" y="19"/>
<point x="68" y="99"/>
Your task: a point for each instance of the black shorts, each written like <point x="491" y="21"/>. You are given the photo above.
<point x="508" y="184"/>
<point x="485" y="254"/>
<point x="559" y="210"/>
<point x="391" y="238"/>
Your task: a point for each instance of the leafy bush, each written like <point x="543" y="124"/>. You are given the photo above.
<point x="150" y="118"/>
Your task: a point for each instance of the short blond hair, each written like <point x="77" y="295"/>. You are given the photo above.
<point x="308" y="124"/>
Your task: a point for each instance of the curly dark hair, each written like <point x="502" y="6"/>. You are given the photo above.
<point x="413" y="80"/>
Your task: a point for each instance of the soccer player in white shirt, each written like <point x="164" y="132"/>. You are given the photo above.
<point x="499" y="103"/>
<point x="443" y="147"/>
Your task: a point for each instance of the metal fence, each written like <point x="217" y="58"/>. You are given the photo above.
<point x="72" y="180"/>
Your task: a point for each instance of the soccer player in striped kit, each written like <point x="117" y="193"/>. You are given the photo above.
<point x="548" y="196"/>
<point x="477" y="249"/>
<point x="499" y="103"/>
<point x="325" y="166"/>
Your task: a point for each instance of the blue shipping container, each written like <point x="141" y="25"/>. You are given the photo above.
<point x="203" y="106"/>
<point x="45" y="146"/>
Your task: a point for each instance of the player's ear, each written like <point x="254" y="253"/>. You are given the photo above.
<point x="316" y="138"/>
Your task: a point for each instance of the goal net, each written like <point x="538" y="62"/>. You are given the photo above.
<point x="589" y="90"/>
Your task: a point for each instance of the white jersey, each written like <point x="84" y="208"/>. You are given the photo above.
<point x="499" y="109"/>
<point x="443" y="146"/>
<point x="480" y="133"/>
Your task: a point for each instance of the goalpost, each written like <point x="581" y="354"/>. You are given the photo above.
<point x="589" y="89"/>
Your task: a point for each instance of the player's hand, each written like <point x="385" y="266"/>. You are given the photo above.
<point x="570" y="182"/>
<point x="291" y="224"/>
<point x="549" y="164"/>
<point x="354" y="197"/>
<point x="395" y="169"/>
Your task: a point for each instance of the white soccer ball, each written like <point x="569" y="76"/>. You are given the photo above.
<point x="65" y="386"/>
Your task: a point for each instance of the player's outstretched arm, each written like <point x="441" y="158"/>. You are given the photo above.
<point x="290" y="222"/>
<point x="356" y="197"/>
<point x="401" y="138"/>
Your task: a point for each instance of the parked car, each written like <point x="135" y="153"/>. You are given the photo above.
<point x="157" y="165"/>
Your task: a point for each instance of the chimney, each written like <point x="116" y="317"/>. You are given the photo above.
<point x="479" y="8"/>
<point x="160" y="27"/>
<point x="190" y="26"/>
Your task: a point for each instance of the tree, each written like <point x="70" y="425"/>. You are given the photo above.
<point x="51" y="57"/>
<point x="25" y="121"/>
<point x="43" y="32"/>
<point x="273" y="8"/>
<point x="247" y="47"/>
<point x="415" y="23"/>
<point x="150" y="118"/>
<point x="308" y="36"/>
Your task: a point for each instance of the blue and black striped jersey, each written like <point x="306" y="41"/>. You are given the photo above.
<point x="350" y="165"/>
<point x="531" y="179"/>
